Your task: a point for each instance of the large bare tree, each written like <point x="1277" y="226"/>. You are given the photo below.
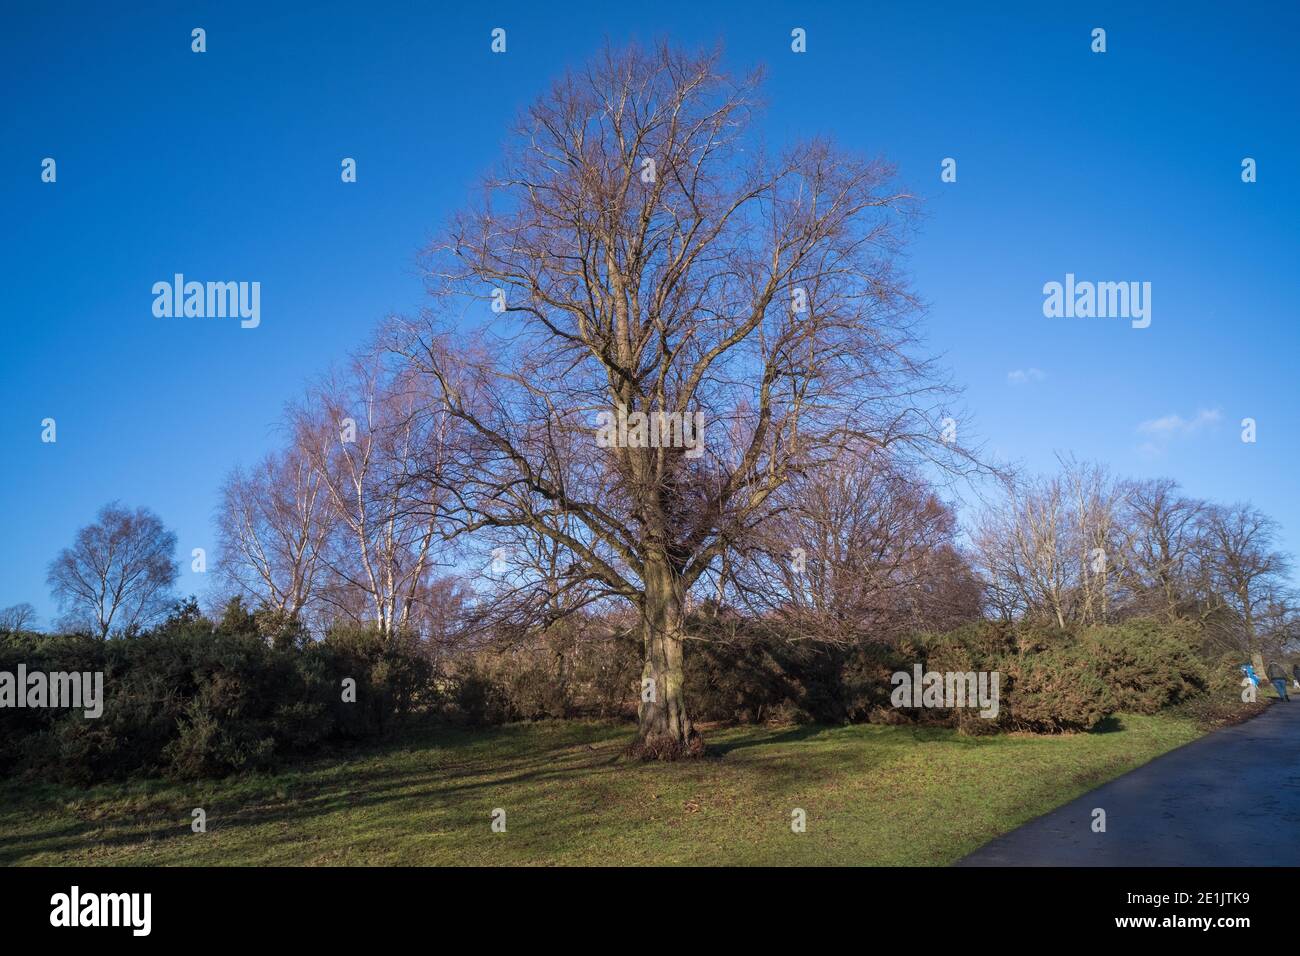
<point x="118" y="574"/>
<point x="641" y="253"/>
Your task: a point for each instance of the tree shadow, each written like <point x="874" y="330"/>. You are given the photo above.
<point x="776" y="736"/>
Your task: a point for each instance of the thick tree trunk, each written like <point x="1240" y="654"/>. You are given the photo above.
<point x="665" y="731"/>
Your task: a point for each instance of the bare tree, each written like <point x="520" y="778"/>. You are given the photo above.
<point x="1023" y="552"/>
<point x="531" y="580"/>
<point x="272" y="527"/>
<point x="378" y="452"/>
<point x="1094" y="503"/>
<point x="861" y="550"/>
<point x="438" y="612"/>
<point x="1081" y="548"/>
<point x="1242" y="570"/>
<point x="1053" y="548"/>
<point x="640" y="256"/>
<point x="1163" y="540"/>
<point x="119" y="572"/>
<point x="17" y="617"/>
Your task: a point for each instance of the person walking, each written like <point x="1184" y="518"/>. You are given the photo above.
<point x="1295" y="674"/>
<point x="1278" y="676"/>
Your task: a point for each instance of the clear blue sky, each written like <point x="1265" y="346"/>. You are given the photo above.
<point x="225" y="165"/>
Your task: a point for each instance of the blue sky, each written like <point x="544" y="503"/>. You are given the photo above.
<point x="225" y="165"/>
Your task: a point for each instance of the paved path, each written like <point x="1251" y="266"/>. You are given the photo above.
<point x="1231" y="798"/>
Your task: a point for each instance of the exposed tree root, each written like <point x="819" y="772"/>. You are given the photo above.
<point x="666" y="747"/>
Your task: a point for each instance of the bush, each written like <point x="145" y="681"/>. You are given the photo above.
<point x="747" y="673"/>
<point x="392" y="678"/>
<point x="193" y="699"/>
<point x="1053" y="690"/>
<point x="568" y="670"/>
<point x="479" y="700"/>
<point x="981" y="647"/>
<point x="1052" y="680"/>
<point x="745" y="680"/>
<point x="1145" y="665"/>
<point x="1222" y="703"/>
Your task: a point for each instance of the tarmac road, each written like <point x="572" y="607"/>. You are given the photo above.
<point x="1231" y="798"/>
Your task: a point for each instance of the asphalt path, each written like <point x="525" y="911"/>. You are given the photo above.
<point x="1231" y="798"/>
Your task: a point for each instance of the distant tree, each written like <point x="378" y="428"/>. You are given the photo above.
<point x="272" y="527"/>
<point x="375" y="451"/>
<point x="183" y="612"/>
<point x="439" y="610"/>
<point x="119" y="572"/>
<point x="236" y="618"/>
<point x="17" y="617"/>
<point x="1242" y="571"/>
<point x="860" y="550"/>
<point x="1024" y="552"/>
<point x="1163" y="536"/>
<point x="1053" y="549"/>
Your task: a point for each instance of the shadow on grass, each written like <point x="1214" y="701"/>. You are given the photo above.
<point x="420" y="781"/>
<point x="453" y="765"/>
<point x="423" y="796"/>
<point x="770" y="737"/>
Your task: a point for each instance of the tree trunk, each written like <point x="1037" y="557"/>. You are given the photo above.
<point x="665" y="731"/>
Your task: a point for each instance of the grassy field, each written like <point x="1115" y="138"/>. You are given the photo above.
<point x="873" y="795"/>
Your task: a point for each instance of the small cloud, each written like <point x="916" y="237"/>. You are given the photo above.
<point x="1024" y="376"/>
<point x="1171" y="425"/>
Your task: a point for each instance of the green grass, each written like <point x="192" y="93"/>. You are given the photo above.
<point x="873" y="795"/>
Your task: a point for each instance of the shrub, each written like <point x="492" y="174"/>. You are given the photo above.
<point x="979" y="647"/>
<point x="478" y="699"/>
<point x="570" y="669"/>
<point x="1145" y="665"/>
<point x="1053" y="690"/>
<point x="196" y="699"/>
<point x="193" y="699"/>
<point x="743" y="679"/>
<point x="1046" y="682"/>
